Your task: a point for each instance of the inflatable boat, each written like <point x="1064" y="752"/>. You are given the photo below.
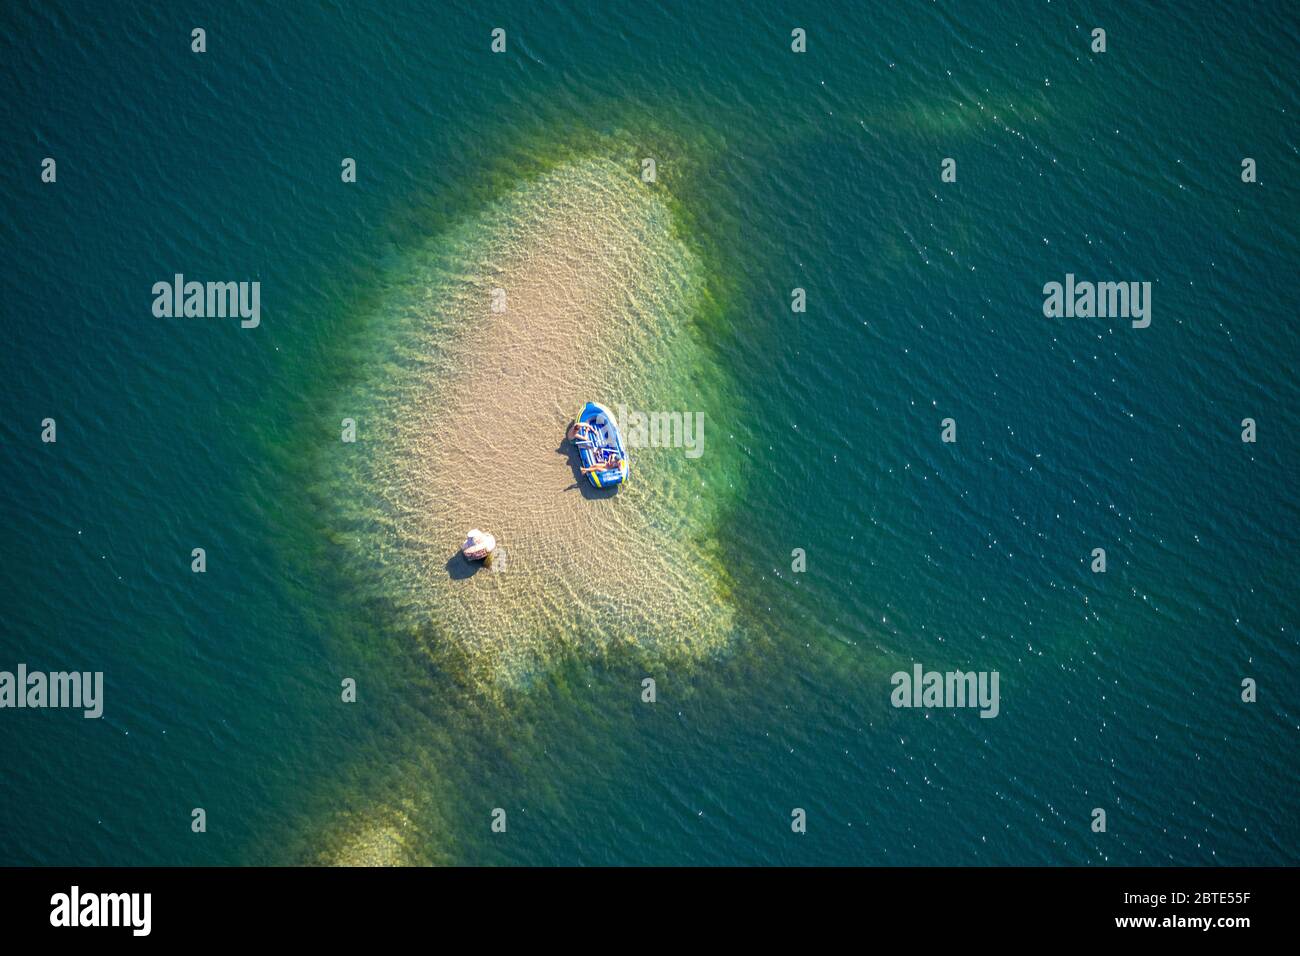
<point x="601" y="444"/>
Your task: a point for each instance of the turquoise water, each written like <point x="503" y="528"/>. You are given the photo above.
<point x="819" y="171"/>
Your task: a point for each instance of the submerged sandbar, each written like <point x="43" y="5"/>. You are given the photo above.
<point x="463" y="413"/>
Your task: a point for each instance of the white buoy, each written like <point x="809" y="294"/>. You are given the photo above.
<point x="478" y="545"/>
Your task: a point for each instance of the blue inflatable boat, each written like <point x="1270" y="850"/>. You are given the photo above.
<point x="600" y="444"/>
